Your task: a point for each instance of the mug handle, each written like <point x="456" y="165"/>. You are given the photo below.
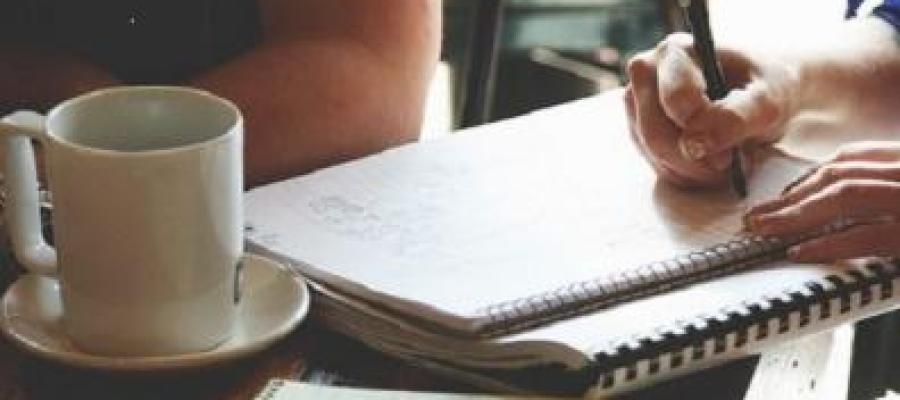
<point x="22" y="211"/>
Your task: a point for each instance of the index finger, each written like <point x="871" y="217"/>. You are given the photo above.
<point x="827" y="174"/>
<point x="877" y="151"/>
<point x="853" y="198"/>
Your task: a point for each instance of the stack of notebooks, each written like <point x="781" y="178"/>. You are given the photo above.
<point x="541" y="255"/>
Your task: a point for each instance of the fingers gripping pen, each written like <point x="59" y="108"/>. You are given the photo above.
<point x="697" y="18"/>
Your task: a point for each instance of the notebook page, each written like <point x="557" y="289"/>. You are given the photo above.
<point x="445" y="228"/>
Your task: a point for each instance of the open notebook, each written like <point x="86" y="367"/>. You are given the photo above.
<point x="544" y="239"/>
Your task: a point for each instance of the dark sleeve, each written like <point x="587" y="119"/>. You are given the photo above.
<point x="152" y="41"/>
<point x="235" y="28"/>
<point x="889" y="10"/>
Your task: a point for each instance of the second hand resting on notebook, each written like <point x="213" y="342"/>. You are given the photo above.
<point x="862" y="182"/>
<point x="850" y="70"/>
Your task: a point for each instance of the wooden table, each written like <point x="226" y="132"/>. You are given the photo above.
<point x="308" y="352"/>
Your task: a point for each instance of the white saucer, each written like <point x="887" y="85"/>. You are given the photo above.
<point x="273" y="302"/>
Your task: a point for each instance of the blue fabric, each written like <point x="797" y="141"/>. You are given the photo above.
<point x="889" y="10"/>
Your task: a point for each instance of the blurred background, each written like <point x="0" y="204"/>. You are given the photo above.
<point x="503" y="58"/>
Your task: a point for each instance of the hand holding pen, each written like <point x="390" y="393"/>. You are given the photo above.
<point x="696" y="17"/>
<point x="688" y="135"/>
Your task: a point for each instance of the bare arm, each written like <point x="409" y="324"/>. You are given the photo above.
<point x="332" y="80"/>
<point x="850" y="70"/>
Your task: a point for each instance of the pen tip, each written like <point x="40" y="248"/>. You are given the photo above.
<point x="737" y="174"/>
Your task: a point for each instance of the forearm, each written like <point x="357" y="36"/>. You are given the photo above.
<point x="858" y="77"/>
<point x="850" y="70"/>
<point x="317" y="93"/>
<point x="334" y="103"/>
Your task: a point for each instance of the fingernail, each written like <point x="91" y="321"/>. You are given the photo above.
<point x="692" y="149"/>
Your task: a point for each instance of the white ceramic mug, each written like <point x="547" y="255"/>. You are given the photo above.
<point x="147" y="187"/>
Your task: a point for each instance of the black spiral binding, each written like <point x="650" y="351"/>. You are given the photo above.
<point x="584" y="297"/>
<point x="679" y="343"/>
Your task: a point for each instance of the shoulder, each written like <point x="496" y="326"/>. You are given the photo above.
<point x="314" y="19"/>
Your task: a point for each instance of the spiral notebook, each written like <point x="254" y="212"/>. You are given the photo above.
<point x="546" y="240"/>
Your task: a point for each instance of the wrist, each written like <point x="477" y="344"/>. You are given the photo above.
<point x="845" y="70"/>
<point x="784" y="86"/>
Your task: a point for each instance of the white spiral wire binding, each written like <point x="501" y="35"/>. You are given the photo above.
<point x="590" y="295"/>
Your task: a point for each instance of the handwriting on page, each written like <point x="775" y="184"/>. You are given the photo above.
<point x="415" y="213"/>
<point x="482" y="218"/>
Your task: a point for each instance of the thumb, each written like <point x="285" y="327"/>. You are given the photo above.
<point x="682" y="90"/>
<point x="748" y="113"/>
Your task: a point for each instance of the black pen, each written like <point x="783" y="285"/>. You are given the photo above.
<point x="697" y="18"/>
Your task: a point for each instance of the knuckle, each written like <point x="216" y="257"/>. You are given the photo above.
<point x="730" y="117"/>
<point x="723" y="123"/>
